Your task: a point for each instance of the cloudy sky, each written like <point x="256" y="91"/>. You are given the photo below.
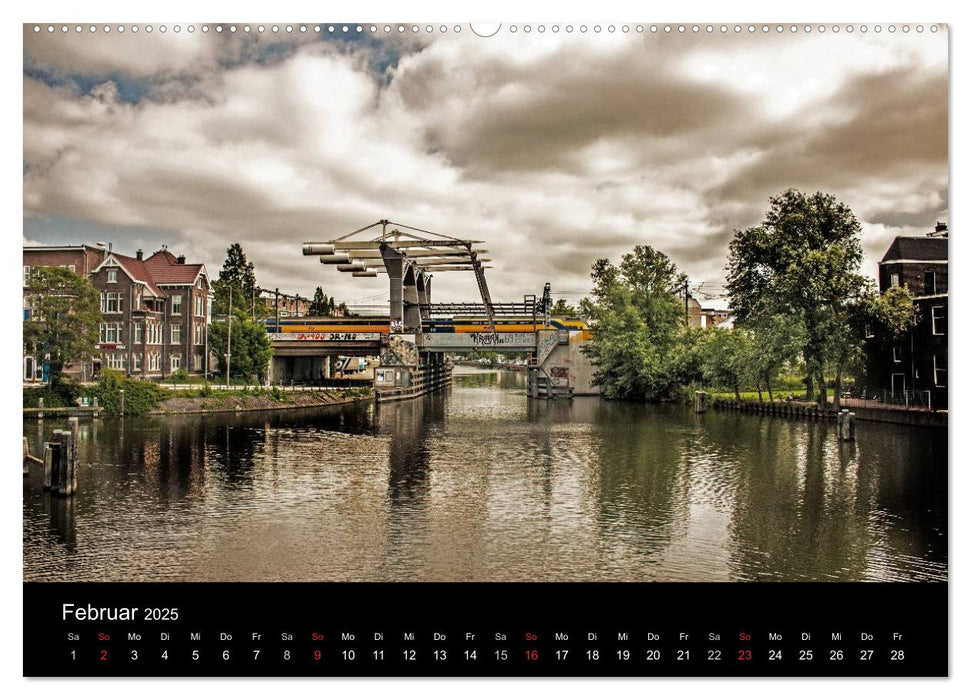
<point x="555" y="149"/>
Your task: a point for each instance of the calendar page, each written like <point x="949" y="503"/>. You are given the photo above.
<point x="520" y="349"/>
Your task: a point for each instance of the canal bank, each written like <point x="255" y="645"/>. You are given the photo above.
<point x="865" y="411"/>
<point x="236" y="402"/>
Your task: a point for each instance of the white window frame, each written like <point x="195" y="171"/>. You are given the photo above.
<point x="175" y="334"/>
<point x="934" y="320"/>
<point x="137" y="334"/>
<point x="175" y="363"/>
<point x="112" y="303"/>
<point x="136" y="362"/>
<point x="937" y="369"/>
<point x="110" y="332"/>
<point x="112" y="276"/>
<point x="894" y="279"/>
<point x="898" y="354"/>
<point x="176" y="304"/>
<point x="27" y="269"/>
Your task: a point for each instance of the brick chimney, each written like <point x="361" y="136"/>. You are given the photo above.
<point x="138" y="254"/>
<point x="180" y="260"/>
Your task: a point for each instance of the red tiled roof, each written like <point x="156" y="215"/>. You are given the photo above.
<point x="165" y="268"/>
<point x="139" y="270"/>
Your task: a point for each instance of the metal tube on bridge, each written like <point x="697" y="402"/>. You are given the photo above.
<point x="318" y="248"/>
<point x="352" y="267"/>
<point x="336" y="258"/>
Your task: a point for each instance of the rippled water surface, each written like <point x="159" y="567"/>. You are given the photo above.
<point x="481" y="484"/>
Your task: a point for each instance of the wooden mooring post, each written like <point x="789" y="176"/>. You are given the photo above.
<point x="61" y="461"/>
<point x="701" y="401"/>
<point x="846" y="425"/>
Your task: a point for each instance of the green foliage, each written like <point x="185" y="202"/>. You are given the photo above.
<point x="561" y="308"/>
<point x="640" y="344"/>
<point x="179" y="376"/>
<point x="726" y="358"/>
<point x="141" y="396"/>
<point x="250" y="347"/>
<point x="63" y="395"/>
<point x="801" y="263"/>
<point x="239" y="275"/>
<point x="65" y="317"/>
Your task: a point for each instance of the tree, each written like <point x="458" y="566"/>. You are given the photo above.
<point x="802" y="263"/>
<point x="64" y="322"/>
<point x="637" y="322"/>
<point x="238" y="274"/>
<point x="251" y="347"/>
<point x="778" y="342"/>
<point x="561" y="308"/>
<point x="726" y="358"/>
<point x="318" y="306"/>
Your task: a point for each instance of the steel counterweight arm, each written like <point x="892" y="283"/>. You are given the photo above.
<point x="483" y="289"/>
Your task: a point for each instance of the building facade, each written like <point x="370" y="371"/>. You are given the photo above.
<point x="913" y="369"/>
<point x="155" y="311"/>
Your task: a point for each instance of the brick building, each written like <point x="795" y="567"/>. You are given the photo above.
<point x="913" y="369"/>
<point x="155" y="310"/>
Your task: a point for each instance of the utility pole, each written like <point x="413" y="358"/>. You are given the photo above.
<point x="229" y="335"/>
<point x="276" y="293"/>
<point x="686" y="322"/>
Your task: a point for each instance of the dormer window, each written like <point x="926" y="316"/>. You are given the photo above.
<point x="112" y="276"/>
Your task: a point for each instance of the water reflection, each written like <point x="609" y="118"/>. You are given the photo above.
<point x="479" y="483"/>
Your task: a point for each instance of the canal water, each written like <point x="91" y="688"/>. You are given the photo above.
<point x="480" y="483"/>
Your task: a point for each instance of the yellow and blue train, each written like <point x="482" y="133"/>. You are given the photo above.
<point x="378" y="324"/>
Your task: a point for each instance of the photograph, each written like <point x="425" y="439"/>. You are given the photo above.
<point x="517" y="303"/>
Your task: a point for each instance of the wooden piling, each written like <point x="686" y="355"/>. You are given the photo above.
<point x="701" y="402"/>
<point x="40" y="408"/>
<point x="121" y="401"/>
<point x="61" y="461"/>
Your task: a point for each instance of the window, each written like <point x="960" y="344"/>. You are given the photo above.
<point x="867" y="331"/>
<point x="176" y="334"/>
<point x="154" y="361"/>
<point x="199" y="334"/>
<point x="136" y="363"/>
<point x="938" y="320"/>
<point x="197" y="362"/>
<point x="154" y="333"/>
<point x="26" y="275"/>
<point x="111" y="303"/>
<point x="897" y="353"/>
<point x="200" y="303"/>
<point x="894" y="279"/>
<point x="112" y="276"/>
<point x="176" y="362"/>
<point x="177" y="305"/>
<point x="138" y="299"/>
<point x="138" y="334"/>
<point x="930" y="283"/>
<point x="110" y="333"/>
<point x="940" y="372"/>
<point x="116" y="360"/>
